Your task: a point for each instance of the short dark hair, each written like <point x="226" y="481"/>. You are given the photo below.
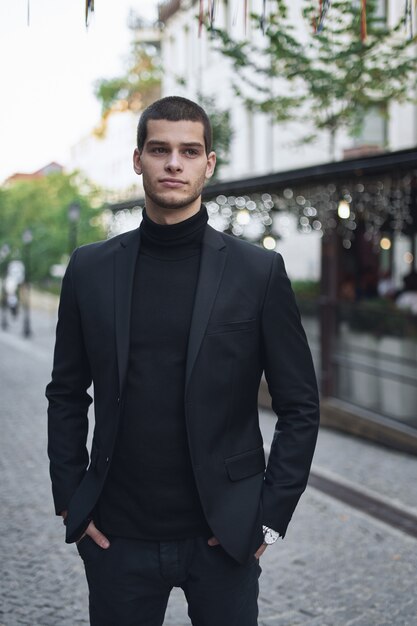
<point x="174" y="109"/>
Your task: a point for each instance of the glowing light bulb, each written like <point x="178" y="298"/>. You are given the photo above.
<point x="243" y="217"/>
<point x="269" y="243"/>
<point x="343" y="210"/>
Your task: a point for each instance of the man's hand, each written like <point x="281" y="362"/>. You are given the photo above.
<point x="213" y="541"/>
<point x="97" y="536"/>
<point x="92" y="532"/>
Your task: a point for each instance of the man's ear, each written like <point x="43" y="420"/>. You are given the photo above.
<point x="211" y="164"/>
<point x="137" y="164"/>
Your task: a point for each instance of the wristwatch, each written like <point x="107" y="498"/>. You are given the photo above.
<point x="270" y="536"/>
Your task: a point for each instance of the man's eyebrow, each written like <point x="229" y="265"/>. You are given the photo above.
<point x="188" y="144"/>
<point x="195" y="144"/>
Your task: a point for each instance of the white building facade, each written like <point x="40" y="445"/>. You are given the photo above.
<point x="107" y="160"/>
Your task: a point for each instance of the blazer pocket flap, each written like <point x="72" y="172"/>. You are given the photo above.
<point x="246" y="464"/>
<point x="225" y="327"/>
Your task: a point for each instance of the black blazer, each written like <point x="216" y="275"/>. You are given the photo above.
<point x="245" y="321"/>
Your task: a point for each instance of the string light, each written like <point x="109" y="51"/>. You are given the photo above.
<point x="343" y="210"/>
<point x="243" y="217"/>
<point x="269" y="243"/>
<point x="381" y="204"/>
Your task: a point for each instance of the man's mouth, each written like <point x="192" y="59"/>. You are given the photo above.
<point x="172" y="182"/>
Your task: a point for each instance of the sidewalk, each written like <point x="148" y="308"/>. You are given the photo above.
<point x="336" y="567"/>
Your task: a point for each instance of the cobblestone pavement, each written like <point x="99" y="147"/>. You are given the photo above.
<point x="336" y="567"/>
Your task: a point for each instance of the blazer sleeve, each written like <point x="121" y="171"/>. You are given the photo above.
<point x="291" y="380"/>
<point x="68" y="398"/>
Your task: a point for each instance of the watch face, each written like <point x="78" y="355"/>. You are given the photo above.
<point x="270" y="536"/>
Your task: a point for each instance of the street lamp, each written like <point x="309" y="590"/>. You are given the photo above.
<point x="73" y="218"/>
<point x="27" y="238"/>
<point x="4" y="253"/>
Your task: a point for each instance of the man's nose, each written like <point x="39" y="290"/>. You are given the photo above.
<point x="173" y="162"/>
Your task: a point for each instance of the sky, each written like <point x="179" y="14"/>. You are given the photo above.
<point x="47" y="73"/>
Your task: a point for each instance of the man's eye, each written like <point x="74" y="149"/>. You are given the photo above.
<point x="191" y="151"/>
<point x="158" y="150"/>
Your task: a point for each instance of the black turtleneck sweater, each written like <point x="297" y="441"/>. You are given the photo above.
<point x="150" y="492"/>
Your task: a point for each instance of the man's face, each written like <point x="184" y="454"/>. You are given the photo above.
<point x="173" y="163"/>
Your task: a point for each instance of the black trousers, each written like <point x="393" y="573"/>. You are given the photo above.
<point x="130" y="582"/>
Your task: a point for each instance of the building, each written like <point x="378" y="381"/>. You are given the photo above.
<point x="106" y="159"/>
<point x="50" y="168"/>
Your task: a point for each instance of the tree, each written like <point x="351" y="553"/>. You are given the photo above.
<point x="222" y="132"/>
<point x="134" y="91"/>
<point x="138" y="86"/>
<point x="42" y="206"/>
<point x="335" y="76"/>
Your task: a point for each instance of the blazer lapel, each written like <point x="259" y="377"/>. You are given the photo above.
<point x="124" y="270"/>
<point x="213" y="257"/>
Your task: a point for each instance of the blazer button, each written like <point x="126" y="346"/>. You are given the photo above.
<point x="107" y="459"/>
<point x="118" y="399"/>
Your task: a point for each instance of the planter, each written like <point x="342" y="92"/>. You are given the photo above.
<point x="358" y="379"/>
<point x="371" y="378"/>
<point x="398" y="356"/>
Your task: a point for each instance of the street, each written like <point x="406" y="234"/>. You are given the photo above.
<point x="337" y="566"/>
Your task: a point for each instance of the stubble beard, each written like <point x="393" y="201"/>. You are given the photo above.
<point x="163" y="202"/>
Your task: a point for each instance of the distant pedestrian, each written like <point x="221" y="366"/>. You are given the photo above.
<point x="174" y="323"/>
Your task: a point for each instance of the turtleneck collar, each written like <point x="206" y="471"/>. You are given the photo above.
<point x="180" y="239"/>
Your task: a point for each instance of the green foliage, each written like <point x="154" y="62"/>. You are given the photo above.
<point x="379" y="317"/>
<point x="333" y="76"/>
<point x="306" y="288"/>
<point x="134" y="90"/>
<point x="42" y="206"/>
<point x="222" y="132"/>
<point x="307" y="294"/>
<point x="107" y="91"/>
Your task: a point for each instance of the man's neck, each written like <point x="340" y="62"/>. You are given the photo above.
<point x="171" y="216"/>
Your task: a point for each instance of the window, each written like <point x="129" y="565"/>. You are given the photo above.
<point x="374" y="130"/>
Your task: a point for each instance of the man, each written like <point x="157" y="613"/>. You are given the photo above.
<point x="174" y="323"/>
